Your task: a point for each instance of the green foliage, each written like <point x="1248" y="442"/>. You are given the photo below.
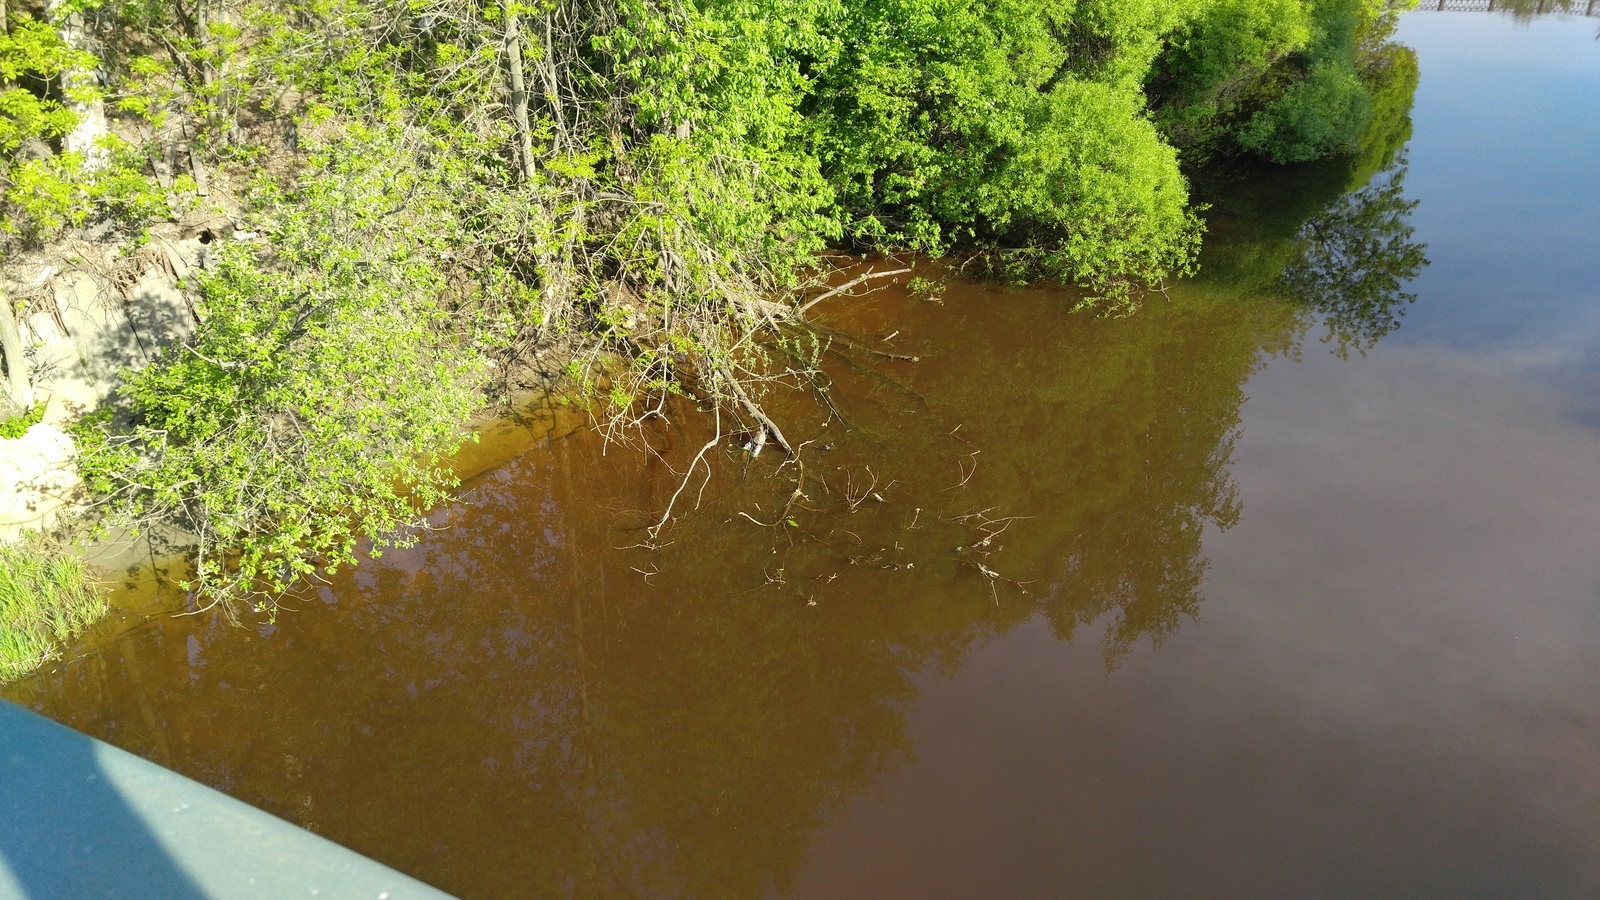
<point x="656" y="189"/>
<point x="1005" y="125"/>
<point x="314" y="405"/>
<point x="47" y="195"/>
<point x="1324" y="112"/>
<point x="46" y="598"/>
<point x="16" y="426"/>
<point x="1391" y="77"/>
<point x="33" y="50"/>
<point x="1286" y="80"/>
<point x="43" y="194"/>
<point x="1219" y="59"/>
<point x="45" y="191"/>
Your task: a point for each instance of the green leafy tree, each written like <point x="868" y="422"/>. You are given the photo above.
<point x="1217" y="62"/>
<point x="32" y="51"/>
<point x="1286" y="80"/>
<point x="46" y="189"/>
<point x="1005" y="125"/>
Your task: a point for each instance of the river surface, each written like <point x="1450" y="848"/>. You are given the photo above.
<point x="1266" y="591"/>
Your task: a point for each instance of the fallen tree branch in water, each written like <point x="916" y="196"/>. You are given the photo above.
<point x="795" y="497"/>
<point x="847" y="286"/>
<point x="966" y="475"/>
<point x="845" y="340"/>
<point x="853" y="498"/>
<point x="976" y="553"/>
<point x="750" y="407"/>
<point x="655" y="529"/>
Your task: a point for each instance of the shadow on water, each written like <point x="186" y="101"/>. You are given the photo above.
<point x="67" y="831"/>
<point x="538" y="699"/>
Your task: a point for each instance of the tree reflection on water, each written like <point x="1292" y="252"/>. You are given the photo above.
<point x="1355" y="261"/>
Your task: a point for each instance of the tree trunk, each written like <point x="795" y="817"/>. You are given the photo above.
<point x="16" y="363"/>
<point x="519" y="93"/>
<point x="91" y="127"/>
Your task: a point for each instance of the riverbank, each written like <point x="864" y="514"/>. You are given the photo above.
<point x="63" y="602"/>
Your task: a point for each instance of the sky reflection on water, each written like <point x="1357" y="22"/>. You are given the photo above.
<point x="1506" y="163"/>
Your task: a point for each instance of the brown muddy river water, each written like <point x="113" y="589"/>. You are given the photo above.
<point x="1256" y="619"/>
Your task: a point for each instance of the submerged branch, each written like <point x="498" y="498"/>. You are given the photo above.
<point x="655" y="529"/>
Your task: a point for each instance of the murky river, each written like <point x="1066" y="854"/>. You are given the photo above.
<point x="1189" y="604"/>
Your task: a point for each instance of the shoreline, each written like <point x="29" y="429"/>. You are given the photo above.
<point x="137" y="579"/>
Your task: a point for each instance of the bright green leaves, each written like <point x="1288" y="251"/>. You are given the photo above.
<point x="48" y="194"/>
<point x="47" y="596"/>
<point x="42" y="190"/>
<point x="1219" y="60"/>
<point x="24" y="115"/>
<point x="1116" y="41"/>
<point x="17" y="425"/>
<point x="1007" y="125"/>
<point x="1322" y="114"/>
<point x="33" y="48"/>
<point x="1391" y="77"/>
<point x="45" y="191"/>
<point x="1100" y="201"/>
<point x="313" y="406"/>
<point x="1025" y="129"/>
<point x="1325" y="105"/>
<point x="657" y="186"/>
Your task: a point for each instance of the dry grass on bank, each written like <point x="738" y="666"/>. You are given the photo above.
<point x="46" y="597"/>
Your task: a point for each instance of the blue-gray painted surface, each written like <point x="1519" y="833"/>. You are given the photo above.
<point x="81" y="819"/>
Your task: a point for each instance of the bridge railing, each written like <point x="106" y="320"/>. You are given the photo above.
<point x="1515" y="7"/>
<point x="80" y="818"/>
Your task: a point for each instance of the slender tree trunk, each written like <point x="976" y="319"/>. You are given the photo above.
<point x="16" y="363"/>
<point x="547" y="67"/>
<point x="202" y="31"/>
<point x="85" y="138"/>
<point x="519" y="93"/>
<point x="197" y="168"/>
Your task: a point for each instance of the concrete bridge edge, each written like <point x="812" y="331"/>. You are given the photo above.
<point x="84" y="819"/>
